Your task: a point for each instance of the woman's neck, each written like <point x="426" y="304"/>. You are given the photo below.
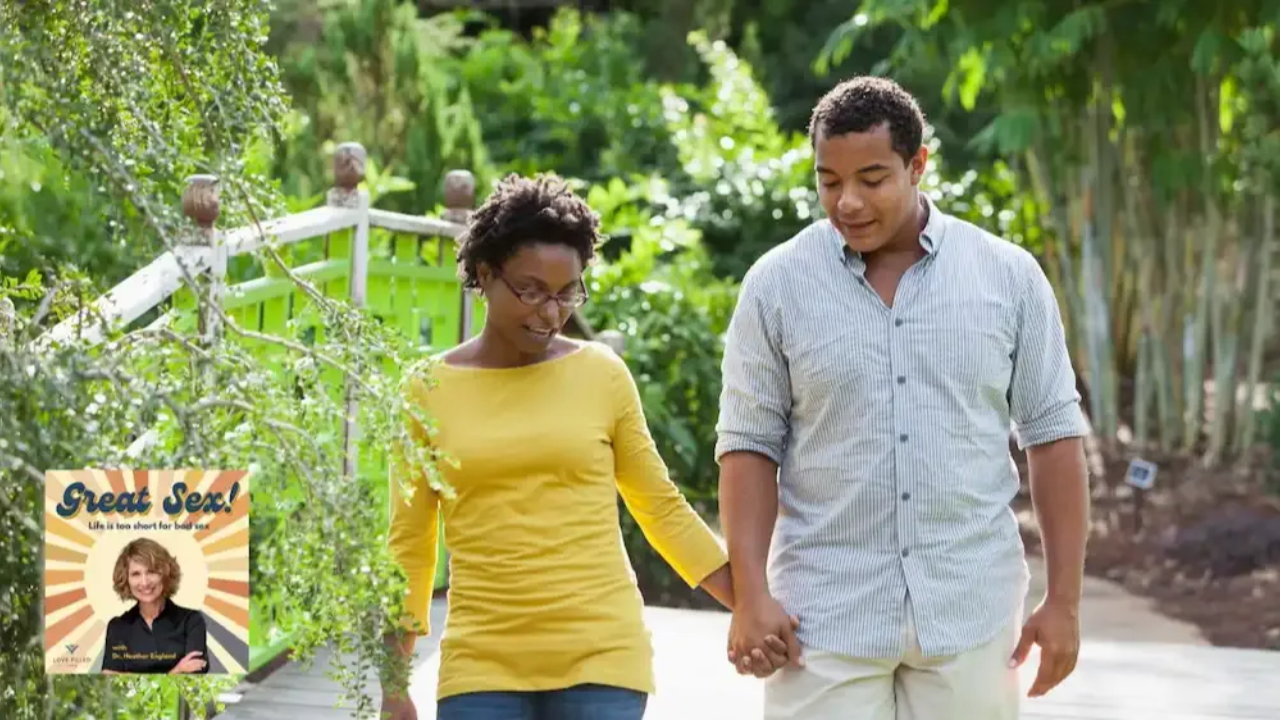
<point x="494" y="352"/>
<point x="151" y="610"/>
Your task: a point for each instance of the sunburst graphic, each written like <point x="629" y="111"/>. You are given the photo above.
<point x="83" y="541"/>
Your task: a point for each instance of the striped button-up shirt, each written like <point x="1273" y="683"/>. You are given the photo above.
<point x="890" y="426"/>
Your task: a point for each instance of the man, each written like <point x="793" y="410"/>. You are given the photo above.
<point x="873" y="365"/>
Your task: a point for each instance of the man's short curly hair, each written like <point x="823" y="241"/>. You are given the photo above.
<point x="153" y="556"/>
<point x="521" y="211"/>
<point x="862" y="103"/>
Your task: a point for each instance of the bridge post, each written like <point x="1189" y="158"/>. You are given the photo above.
<point x="348" y="173"/>
<point x="201" y="204"/>
<point x="614" y="339"/>
<point x="460" y="202"/>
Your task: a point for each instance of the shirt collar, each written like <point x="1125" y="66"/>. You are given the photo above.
<point x="930" y="238"/>
<point x="166" y="613"/>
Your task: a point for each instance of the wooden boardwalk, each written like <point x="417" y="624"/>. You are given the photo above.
<point x="1115" y="680"/>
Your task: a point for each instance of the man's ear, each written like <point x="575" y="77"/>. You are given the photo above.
<point x="917" y="164"/>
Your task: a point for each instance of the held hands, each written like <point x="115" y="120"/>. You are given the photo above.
<point x="762" y="638"/>
<point x="191" y="663"/>
<point x="1055" y="627"/>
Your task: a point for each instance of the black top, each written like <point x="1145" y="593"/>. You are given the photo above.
<point x="132" y="647"/>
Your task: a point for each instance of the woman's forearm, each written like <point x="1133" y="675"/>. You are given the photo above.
<point x="400" y="643"/>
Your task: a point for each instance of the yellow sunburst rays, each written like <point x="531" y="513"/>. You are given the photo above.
<point x="81" y="551"/>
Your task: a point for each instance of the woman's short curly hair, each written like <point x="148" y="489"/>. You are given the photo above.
<point x="524" y="210"/>
<point x="153" y="556"/>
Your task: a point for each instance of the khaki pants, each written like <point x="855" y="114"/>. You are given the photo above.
<point x="977" y="685"/>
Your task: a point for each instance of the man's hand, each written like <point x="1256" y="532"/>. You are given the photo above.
<point x="762" y="638"/>
<point x="1055" y="627"/>
<point x="398" y="708"/>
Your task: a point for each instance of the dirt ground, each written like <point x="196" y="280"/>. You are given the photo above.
<point x="1205" y="546"/>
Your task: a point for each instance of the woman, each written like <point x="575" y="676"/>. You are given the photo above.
<point x="156" y="635"/>
<point x="545" y="619"/>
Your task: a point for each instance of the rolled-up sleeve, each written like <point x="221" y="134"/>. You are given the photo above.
<point x="755" y="398"/>
<point x="1043" y="401"/>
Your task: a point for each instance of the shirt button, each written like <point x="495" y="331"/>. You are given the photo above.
<point x="902" y="379"/>
<point x="902" y="437"/>
<point x="898" y="322"/>
<point x="906" y="552"/>
<point x="906" y="496"/>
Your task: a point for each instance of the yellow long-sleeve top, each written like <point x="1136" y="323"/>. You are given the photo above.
<point x="542" y="595"/>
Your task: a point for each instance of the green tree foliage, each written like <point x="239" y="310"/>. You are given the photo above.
<point x="571" y="99"/>
<point x="52" y="215"/>
<point x="373" y="72"/>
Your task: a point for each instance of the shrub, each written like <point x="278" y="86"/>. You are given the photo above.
<point x="661" y="294"/>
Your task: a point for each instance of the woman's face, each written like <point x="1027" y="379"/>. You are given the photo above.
<point x="533" y="294"/>
<point x="145" y="584"/>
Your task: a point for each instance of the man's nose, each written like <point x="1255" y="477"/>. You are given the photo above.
<point x="850" y="203"/>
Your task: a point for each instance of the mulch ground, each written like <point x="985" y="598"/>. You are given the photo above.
<point x="1205" y="546"/>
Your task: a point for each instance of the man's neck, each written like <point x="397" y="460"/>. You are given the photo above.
<point x="904" y="249"/>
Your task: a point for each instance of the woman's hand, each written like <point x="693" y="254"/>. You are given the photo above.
<point x="192" y="663"/>
<point x="398" y="708"/>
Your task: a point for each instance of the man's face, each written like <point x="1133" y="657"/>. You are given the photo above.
<point x="865" y="187"/>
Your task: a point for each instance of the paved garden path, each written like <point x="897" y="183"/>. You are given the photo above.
<point x="1134" y="665"/>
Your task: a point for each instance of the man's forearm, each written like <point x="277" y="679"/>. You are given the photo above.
<point x="719" y="585"/>
<point x="748" y="511"/>
<point x="1060" y="494"/>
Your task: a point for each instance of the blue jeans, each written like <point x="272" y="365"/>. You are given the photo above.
<point x="581" y="702"/>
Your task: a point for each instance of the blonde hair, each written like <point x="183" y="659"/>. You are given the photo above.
<point x="151" y="555"/>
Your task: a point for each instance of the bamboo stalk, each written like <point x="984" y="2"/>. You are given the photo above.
<point x="1196" y="369"/>
<point x="1228" y="315"/>
<point x="1261" y="321"/>
<point x="1159" y="296"/>
<point x="1042" y="179"/>
<point x="1097" y="249"/>
<point x="1141" y="392"/>
<point x="1167" y="397"/>
<point x="1141" y="261"/>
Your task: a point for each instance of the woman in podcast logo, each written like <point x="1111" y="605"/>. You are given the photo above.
<point x="185" y="590"/>
<point x="155" y="635"/>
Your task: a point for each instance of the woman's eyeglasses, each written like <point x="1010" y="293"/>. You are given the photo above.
<point x="536" y="298"/>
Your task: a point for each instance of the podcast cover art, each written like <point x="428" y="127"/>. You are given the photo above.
<point x="146" y="571"/>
